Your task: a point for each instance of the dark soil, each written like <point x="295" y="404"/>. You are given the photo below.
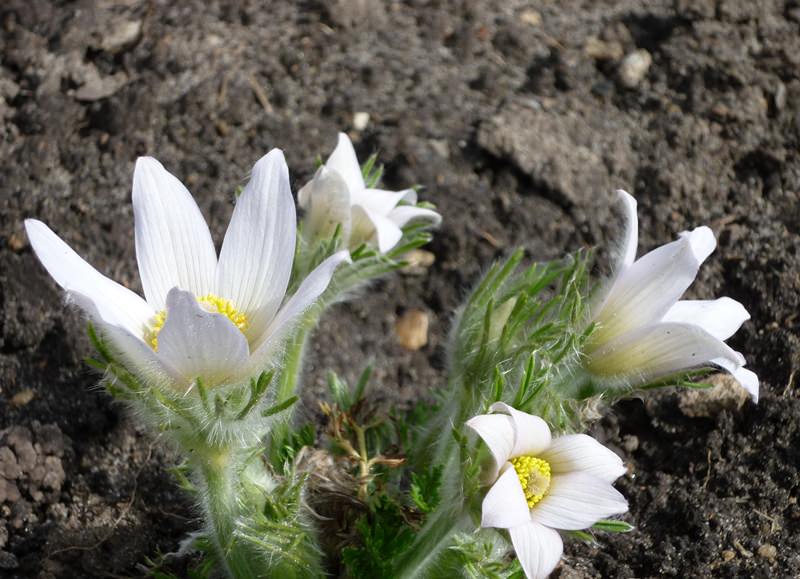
<point x="519" y="119"/>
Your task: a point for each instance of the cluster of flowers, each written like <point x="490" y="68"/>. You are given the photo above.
<point x="208" y="321"/>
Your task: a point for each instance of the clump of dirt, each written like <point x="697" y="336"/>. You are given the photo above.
<point x="518" y="119"/>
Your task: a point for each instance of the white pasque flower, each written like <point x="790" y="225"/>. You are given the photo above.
<point x="338" y="195"/>
<point x="215" y="319"/>
<point x="645" y="331"/>
<point x="540" y="484"/>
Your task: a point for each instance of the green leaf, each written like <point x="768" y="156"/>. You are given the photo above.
<point x="280" y="407"/>
<point x="613" y="526"/>
<point x="257" y="389"/>
<point x="425" y="487"/>
<point x="339" y="391"/>
<point x="383" y="535"/>
<point x="582" y="536"/>
<point x="361" y="385"/>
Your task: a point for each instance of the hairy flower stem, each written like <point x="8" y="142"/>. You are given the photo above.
<point x="219" y="470"/>
<point x="293" y="358"/>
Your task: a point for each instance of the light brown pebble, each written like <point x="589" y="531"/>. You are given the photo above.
<point x="725" y="394"/>
<point x="17" y="242"/>
<point x="602" y="50"/>
<point x="418" y="261"/>
<point x="412" y="329"/>
<point x="767" y="551"/>
<point x="727" y="555"/>
<point x="22" y="397"/>
<point x="530" y="17"/>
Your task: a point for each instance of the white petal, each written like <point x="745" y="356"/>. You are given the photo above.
<point x="646" y="290"/>
<point x="326" y="200"/>
<point x="577" y="501"/>
<point x="135" y="355"/>
<point x="721" y="317"/>
<point x="580" y="452"/>
<point x="747" y="379"/>
<point x="200" y="344"/>
<point x="343" y="160"/>
<point x="504" y="506"/>
<point x="410" y="196"/>
<point x="531" y="433"/>
<point x="659" y="350"/>
<point x="702" y="241"/>
<point x="630" y="239"/>
<point x="378" y="200"/>
<point x="305" y="296"/>
<point x="405" y="214"/>
<point x="368" y="225"/>
<point x="104" y="300"/>
<point x="173" y="244"/>
<point x="497" y="432"/>
<point x="538" y="549"/>
<point x="256" y="258"/>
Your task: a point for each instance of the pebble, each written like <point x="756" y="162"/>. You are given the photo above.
<point x="121" y="35"/>
<point x="634" y="67"/>
<point x="630" y="442"/>
<point x="780" y="96"/>
<point x="767" y="551"/>
<point x="22" y="398"/>
<point x="530" y="17"/>
<point x="602" y="50"/>
<point x="726" y="394"/>
<point x="727" y="555"/>
<point x="418" y="261"/>
<point x="360" y="120"/>
<point x="17" y="242"/>
<point x="412" y="329"/>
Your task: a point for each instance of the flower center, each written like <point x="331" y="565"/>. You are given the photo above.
<point x="534" y="476"/>
<point x="210" y="303"/>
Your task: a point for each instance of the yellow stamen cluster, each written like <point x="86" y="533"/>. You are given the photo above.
<point x="534" y="476"/>
<point x="222" y="306"/>
<point x="209" y="302"/>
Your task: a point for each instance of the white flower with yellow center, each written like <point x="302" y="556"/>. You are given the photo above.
<point x="644" y="332"/>
<point x="540" y="484"/>
<point x="338" y="195"/>
<point x="219" y="320"/>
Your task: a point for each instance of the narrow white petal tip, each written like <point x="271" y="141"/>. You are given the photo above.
<point x="274" y="156"/>
<point x="626" y="197"/>
<point x="734" y="308"/>
<point x="148" y="164"/>
<point x="702" y="241"/>
<point x="342" y="257"/>
<point x="749" y="381"/>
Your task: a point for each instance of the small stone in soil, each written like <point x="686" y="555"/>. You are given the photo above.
<point x="418" y="261"/>
<point x="412" y="329"/>
<point x="726" y="394"/>
<point x="360" y="120"/>
<point x="767" y="551"/>
<point x="634" y="67"/>
<point x="22" y="398"/>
